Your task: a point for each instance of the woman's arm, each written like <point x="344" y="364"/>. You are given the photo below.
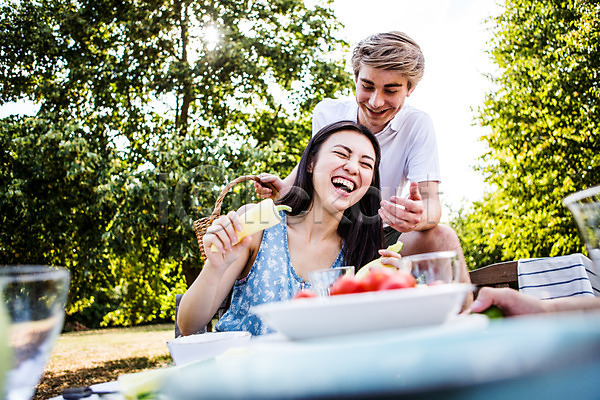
<point x="222" y="267"/>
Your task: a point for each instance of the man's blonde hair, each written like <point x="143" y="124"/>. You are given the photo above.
<point x="390" y="51"/>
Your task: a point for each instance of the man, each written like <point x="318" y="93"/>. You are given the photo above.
<point x="387" y="68"/>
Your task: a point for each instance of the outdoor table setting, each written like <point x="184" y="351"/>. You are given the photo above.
<point x="426" y="353"/>
<point x="356" y="346"/>
<point x="464" y="357"/>
<point x="409" y="340"/>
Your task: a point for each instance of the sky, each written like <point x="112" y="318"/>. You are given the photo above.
<point x="452" y="35"/>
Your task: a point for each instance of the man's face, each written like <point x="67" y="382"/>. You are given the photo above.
<point x="380" y="94"/>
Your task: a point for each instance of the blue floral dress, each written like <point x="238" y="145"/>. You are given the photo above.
<point x="272" y="278"/>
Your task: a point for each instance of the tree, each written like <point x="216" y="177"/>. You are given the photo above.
<point x="56" y="201"/>
<point x="545" y="120"/>
<point x="181" y="97"/>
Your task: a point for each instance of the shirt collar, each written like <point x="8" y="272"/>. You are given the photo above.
<point x="393" y="125"/>
<point x="396" y="122"/>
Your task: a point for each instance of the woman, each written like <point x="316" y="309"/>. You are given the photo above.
<point x="333" y="222"/>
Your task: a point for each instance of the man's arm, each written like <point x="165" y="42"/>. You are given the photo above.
<point x="430" y="195"/>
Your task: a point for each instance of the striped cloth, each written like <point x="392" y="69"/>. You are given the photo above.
<point x="564" y="276"/>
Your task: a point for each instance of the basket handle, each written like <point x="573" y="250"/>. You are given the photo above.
<point x="202" y="224"/>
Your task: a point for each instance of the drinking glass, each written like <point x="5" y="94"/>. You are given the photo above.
<point x="433" y="268"/>
<point x="322" y="279"/>
<point x="585" y="207"/>
<point x="34" y="298"/>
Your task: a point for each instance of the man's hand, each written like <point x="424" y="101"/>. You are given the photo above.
<point x="263" y="191"/>
<point x="509" y="301"/>
<point x="282" y="186"/>
<point x="404" y="215"/>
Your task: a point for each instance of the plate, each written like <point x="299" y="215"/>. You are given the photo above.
<point x="307" y="318"/>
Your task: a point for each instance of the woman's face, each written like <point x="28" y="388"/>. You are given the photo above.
<point x="343" y="169"/>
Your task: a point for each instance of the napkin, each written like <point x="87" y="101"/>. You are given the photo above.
<point x="563" y="276"/>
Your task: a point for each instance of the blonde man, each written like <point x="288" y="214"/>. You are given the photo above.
<point x="387" y="68"/>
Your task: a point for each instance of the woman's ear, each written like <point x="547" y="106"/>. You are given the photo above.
<point x="310" y="165"/>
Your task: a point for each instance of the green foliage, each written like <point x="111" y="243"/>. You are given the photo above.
<point x="545" y="120"/>
<point x="56" y="199"/>
<point x="143" y="119"/>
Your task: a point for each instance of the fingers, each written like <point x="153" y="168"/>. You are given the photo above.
<point x="414" y="193"/>
<point x="510" y="301"/>
<point x="483" y="301"/>
<point x="389" y="253"/>
<point x="268" y="178"/>
<point x="263" y="192"/>
<point x="222" y="233"/>
<point x="401" y="214"/>
<point x="390" y="257"/>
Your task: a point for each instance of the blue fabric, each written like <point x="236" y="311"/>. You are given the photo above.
<point x="272" y="278"/>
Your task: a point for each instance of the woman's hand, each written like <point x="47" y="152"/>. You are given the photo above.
<point x="390" y="257"/>
<point x="221" y="242"/>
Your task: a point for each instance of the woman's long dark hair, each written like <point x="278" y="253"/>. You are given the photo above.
<point x="361" y="227"/>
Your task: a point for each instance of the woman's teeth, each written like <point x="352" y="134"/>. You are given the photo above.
<point x="344" y="184"/>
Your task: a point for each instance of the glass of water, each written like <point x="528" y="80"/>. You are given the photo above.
<point x="585" y="207"/>
<point x="433" y="268"/>
<point x="322" y="279"/>
<point x="33" y="298"/>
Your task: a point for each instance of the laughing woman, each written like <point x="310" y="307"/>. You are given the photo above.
<point x="333" y="222"/>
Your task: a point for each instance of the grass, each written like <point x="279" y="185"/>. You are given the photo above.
<point x="96" y="356"/>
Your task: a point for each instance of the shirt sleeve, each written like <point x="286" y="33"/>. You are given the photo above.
<point x="319" y="119"/>
<point x="328" y="111"/>
<point x="423" y="161"/>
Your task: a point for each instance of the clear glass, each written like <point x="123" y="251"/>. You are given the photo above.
<point x="585" y="207"/>
<point x="433" y="268"/>
<point x="322" y="279"/>
<point x="34" y="298"/>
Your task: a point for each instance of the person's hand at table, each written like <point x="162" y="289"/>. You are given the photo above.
<point x="404" y="215"/>
<point x="512" y="302"/>
<point x="263" y="191"/>
<point x="509" y="301"/>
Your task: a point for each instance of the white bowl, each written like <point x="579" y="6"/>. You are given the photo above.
<point x="345" y="314"/>
<point x="187" y="349"/>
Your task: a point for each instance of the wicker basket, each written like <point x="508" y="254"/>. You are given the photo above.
<point x="202" y="224"/>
